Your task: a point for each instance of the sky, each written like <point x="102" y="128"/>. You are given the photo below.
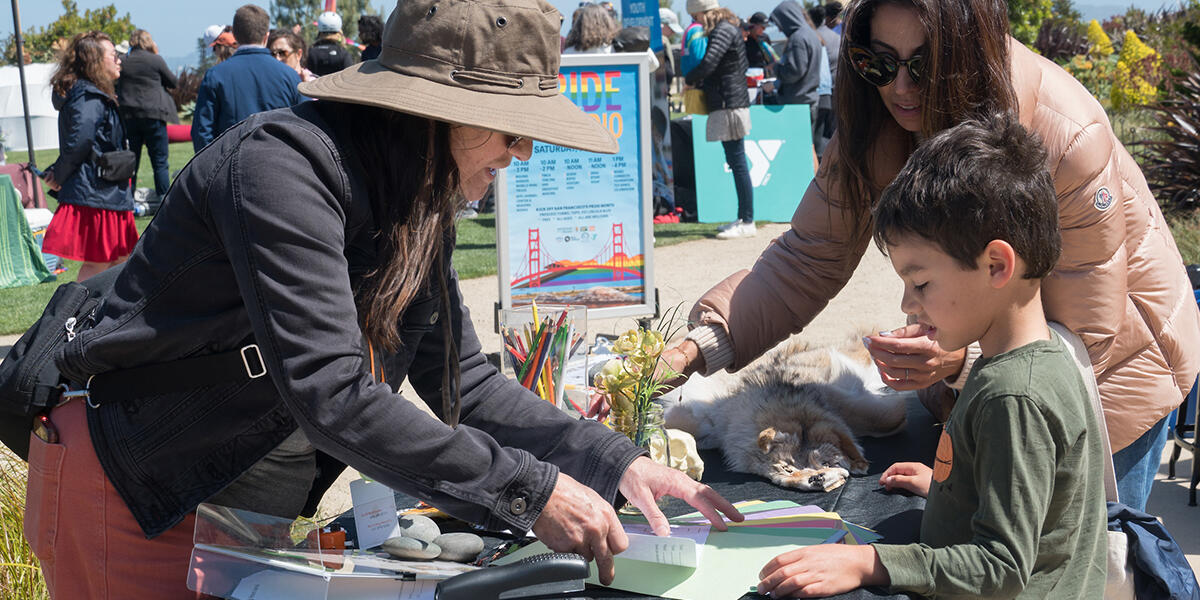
<point x="176" y="24"/>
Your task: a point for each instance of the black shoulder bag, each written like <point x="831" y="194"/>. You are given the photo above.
<point x="31" y="383"/>
<point x="116" y="166"/>
<point x="29" y="379"/>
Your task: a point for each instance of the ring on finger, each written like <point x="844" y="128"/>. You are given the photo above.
<point x="906" y="373"/>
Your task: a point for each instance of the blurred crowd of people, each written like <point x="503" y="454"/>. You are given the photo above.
<point x="256" y="69"/>
<point x="113" y="101"/>
<point x="796" y="70"/>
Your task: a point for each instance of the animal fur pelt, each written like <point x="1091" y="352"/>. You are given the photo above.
<point x="792" y="416"/>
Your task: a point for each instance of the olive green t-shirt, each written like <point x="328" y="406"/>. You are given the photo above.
<point x="1016" y="508"/>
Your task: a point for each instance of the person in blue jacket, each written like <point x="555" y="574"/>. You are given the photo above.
<point x="94" y="220"/>
<point x="251" y="81"/>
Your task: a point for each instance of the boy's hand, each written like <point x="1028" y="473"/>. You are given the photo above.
<point x="908" y="360"/>
<point x="823" y="570"/>
<point x="911" y="476"/>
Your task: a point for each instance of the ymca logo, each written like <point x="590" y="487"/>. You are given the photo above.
<point x="760" y="153"/>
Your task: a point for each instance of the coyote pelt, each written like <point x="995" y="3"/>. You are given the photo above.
<point x="793" y="415"/>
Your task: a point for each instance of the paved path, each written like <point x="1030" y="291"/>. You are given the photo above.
<point x="871" y="299"/>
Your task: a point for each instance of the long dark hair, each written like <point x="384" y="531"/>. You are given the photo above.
<point x="413" y="195"/>
<point x="83" y="59"/>
<point x="967" y="75"/>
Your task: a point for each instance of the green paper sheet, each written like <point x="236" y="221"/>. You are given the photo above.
<point x="729" y="565"/>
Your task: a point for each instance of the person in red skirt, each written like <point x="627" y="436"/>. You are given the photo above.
<point x="94" y="220"/>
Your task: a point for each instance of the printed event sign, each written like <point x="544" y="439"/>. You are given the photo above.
<point x="574" y="227"/>
<point x="779" y="151"/>
<point x="643" y="13"/>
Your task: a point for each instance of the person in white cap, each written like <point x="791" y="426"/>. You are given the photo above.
<point x="314" y="243"/>
<point x="670" y="33"/>
<point x="211" y="33"/>
<point x="329" y="54"/>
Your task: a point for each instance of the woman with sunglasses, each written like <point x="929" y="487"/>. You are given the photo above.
<point x="303" y="258"/>
<point x="288" y="48"/>
<point x="911" y="68"/>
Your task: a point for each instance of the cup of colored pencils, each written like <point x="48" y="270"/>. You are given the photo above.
<point x="539" y="344"/>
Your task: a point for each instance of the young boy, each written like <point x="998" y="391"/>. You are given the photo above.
<point x="1015" y="496"/>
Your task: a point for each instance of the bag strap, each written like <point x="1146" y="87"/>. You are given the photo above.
<point x="235" y="366"/>
<point x="1084" y="363"/>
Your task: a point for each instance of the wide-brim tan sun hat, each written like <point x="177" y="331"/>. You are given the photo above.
<point x="491" y="64"/>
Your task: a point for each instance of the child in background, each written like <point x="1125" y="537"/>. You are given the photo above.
<point x="1015" y="497"/>
<point x="692" y="47"/>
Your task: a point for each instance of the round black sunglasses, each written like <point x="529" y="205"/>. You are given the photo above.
<point x="881" y="69"/>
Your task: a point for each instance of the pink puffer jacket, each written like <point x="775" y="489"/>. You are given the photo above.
<point x="1120" y="284"/>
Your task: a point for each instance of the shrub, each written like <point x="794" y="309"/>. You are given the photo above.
<point x="1171" y="158"/>
<point x="187" y="87"/>
<point x="1099" y="43"/>
<point x="1137" y="74"/>
<point x="1025" y="18"/>
<point x="42" y="44"/>
<point x="1095" y="73"/>
<point x="20" y="575"/>
<point x="1059" y="40"/>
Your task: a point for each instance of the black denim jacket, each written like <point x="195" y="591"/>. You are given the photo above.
<point x="262" y="235"/>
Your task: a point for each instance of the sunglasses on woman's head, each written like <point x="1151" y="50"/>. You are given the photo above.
<point x="881" y="69"/>
<point x="513" y="140"/>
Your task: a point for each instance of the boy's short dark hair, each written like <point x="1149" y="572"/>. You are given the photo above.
<point x="250" y="25"/>
<point x="978" y="181"/>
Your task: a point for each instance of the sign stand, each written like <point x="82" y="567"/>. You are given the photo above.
<point x="574" y="227"/>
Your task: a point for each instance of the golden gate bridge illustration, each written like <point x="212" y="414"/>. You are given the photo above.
<point x="539" y="270"/>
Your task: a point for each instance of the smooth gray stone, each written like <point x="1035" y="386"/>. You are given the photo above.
<point x="419" y="527"/>
<point x="411" y="549"/>
<point x="459" y="547"/>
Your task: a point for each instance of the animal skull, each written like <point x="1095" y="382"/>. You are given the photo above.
<point x="684" y="456"/>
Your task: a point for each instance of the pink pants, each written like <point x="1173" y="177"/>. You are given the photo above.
<point x="88" y="542"/>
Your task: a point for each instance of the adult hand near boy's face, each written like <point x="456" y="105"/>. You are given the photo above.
<point x="824" y="570"/>
<point x="908" y="360"/>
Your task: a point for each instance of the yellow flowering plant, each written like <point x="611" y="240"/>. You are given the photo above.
<point x="1098" y="42"/>
<point x="633" y="380"/>
<point x="1137" y="66"/>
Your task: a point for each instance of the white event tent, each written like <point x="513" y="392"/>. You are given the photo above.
<point x="43" y="117"/>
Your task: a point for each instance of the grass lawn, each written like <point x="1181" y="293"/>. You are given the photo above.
<point x="474" y="257"/>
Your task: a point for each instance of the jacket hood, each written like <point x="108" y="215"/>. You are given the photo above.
<point x="788" y="17"/>
<point x="81" y="87"/>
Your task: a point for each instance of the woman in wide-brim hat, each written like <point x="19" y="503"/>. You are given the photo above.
<point x="315" y="240"/>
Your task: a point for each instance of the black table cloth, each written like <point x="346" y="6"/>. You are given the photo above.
<point x="896" y="516"/>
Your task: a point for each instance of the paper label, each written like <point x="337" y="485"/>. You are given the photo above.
<point x="682" y="549"/>
<point x="374" y="512"/>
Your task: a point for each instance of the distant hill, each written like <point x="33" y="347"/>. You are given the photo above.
<point x="1100" y="12"/>
<point x="175" y="63"/>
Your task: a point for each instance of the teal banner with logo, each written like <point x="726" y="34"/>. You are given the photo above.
<point x="779" y="152"/>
